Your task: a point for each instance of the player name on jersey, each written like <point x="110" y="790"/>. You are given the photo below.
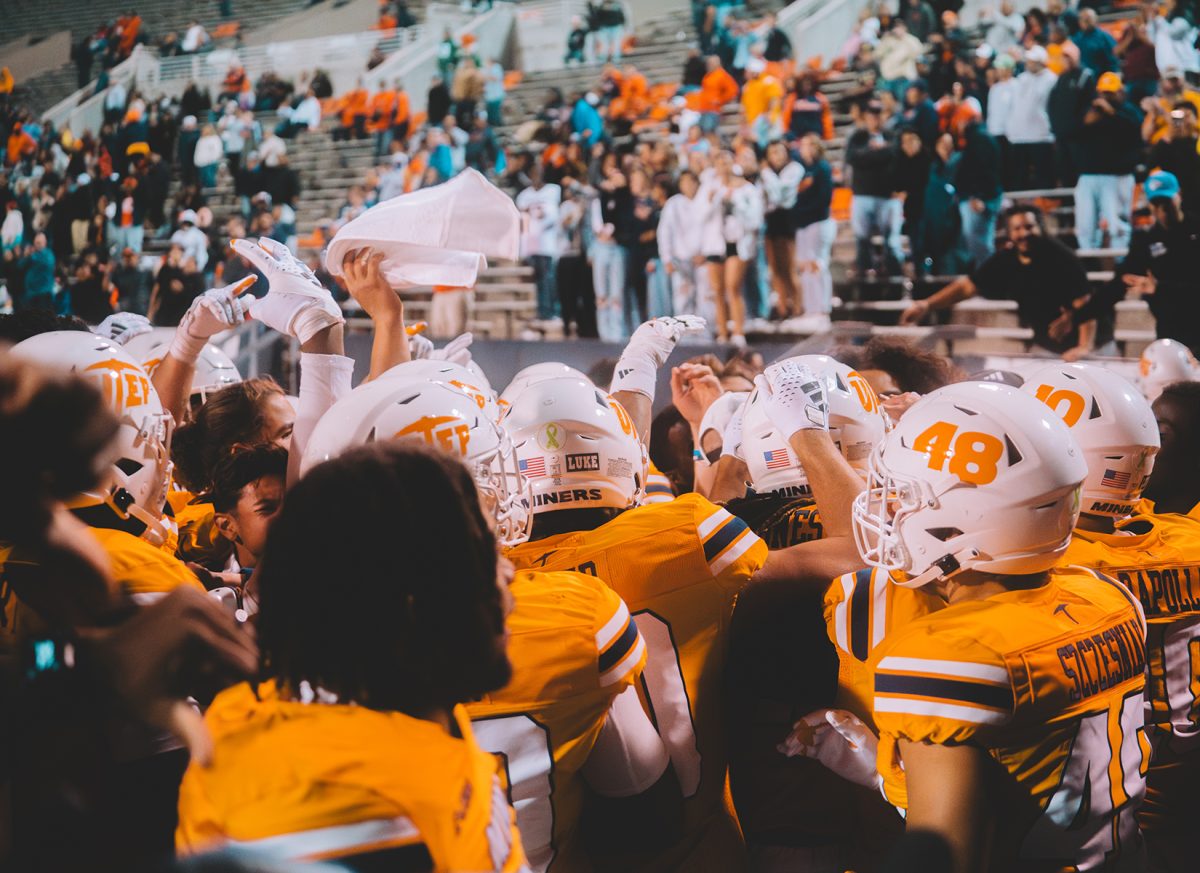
<point x="1103" y="660"/>
<point x="1164" y="591"/>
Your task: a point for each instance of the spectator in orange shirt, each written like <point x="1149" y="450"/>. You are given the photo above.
<point x="400" y="121"/>
<point x="380" y="112"/>
<point x="20" y="145"/>
<point x="634" y="94"/>
<point x="955" y="111"/>
<point x="717" y="89"/>
<point x="353" y="105"/>
<point x="762" y="102"/>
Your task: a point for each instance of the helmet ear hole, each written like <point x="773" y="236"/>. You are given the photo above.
<point x="944" y="533"/>
<point x="129" y="466"/>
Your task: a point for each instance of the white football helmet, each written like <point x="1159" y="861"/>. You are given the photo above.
<point x="533" y="374"/>
<point x="460" y="377"/>
<point x="1113" y="424"/>
<point x="442" y="415"/>
<point x="975" y="476"/>
<point x="577" y="446"/>
<point x="214" y="368"/>
<point x="1165" y="361"/>
<point x="137" y="487"/>
<point x="856" y="424"/>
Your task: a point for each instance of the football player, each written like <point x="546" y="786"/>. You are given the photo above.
<point x="1162" y="362"/>
<point x="247" y="494"/>
<point x="1011" y="719"/>
<point x="356" y="746"/>
<point x="1156" y="556"/>
<point x="679" y="566"/>
<point x="1174" y="485"/>
<point x="568" y="725"/>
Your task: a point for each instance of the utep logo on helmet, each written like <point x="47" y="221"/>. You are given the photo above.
<point x="445" y="431"/>
<point x="588" y="462"/>
<point x="124" y="385"/>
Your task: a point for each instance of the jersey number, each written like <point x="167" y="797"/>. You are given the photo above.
<point x="973" y="456"/>
<point x="525" y="745"/>
<point x="1181" y="666"/>
<point x="672" y="712"/>
<point x="1092" y="812"/>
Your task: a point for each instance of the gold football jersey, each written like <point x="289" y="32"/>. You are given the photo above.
<point x="679" y="567"/>
<point x="1049" y="682"/>
<point x="1157" y="557"/>
<point x="309" y="781"/>
<point x="573" y="647"/>
<point x="861" y="609"/>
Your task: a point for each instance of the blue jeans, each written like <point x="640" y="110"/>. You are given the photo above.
<point x="208" y="176"/>
<point x="1102" y="197"/>
<point x="877" y="215"/>
<point x="608" y="278"/>
<point x="658" y="286"/>
<point x="979" y="229"/>
<point x="547" y="290"/>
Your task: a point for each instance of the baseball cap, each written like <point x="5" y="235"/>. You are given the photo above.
<point x="188" y="216"/>
<point x="1037" y="55"/>
<point x="1172" y="72"/>
<point x="1161" y="186"/>
<point x="874" y="106"/>
<point x="1110" y="82"/>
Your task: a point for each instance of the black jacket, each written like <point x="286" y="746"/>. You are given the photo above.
<point x="872" y="167"/>
<point x="1069" y="100"/>
<point x="1112" y="145"/>
<point x="979" y="169"/>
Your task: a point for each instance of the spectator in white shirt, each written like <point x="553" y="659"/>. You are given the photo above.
<point x="779" y="180"/>
<point x="1003" y="29"/>
<point x="195" y="38"/>
<point x="540" y="238"/>
<point x="191" y="239"/>
<point x="1028" y="124"/>
<point x="209" y="150"/>
<point x="999" y="107"/>
<point x="306" y="116"/>
<point x="272" y="151"/>
<point x="680" y="234"/>
<point x="114" y="102"/>
<point x="457" y="139"/>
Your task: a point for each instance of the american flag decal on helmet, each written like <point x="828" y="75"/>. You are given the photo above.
<point x="777" y="459"/>
<point x="1115" y="479"/>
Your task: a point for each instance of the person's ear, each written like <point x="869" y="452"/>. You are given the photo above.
<point x="227" y="526"/>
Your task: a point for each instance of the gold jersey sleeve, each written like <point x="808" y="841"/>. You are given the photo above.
<point x="142" y="569"/>
<point x="308" y="781"/>
<point x="658" y="486"/>
<point x="679" y="567"/>
<point x="574" y="647"/>
<point x="1048" y="682"/>
<point x="1157" y="557"/>
<point x="198" y="538"/>
<point x="861" y="609"/>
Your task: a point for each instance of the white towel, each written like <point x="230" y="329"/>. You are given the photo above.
<point x="442" y="235"/>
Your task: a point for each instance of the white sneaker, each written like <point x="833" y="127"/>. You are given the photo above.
<point x="738" y="341"/>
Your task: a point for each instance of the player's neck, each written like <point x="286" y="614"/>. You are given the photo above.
<point x="972" y="585"/>
<point x="1102" y="524"/>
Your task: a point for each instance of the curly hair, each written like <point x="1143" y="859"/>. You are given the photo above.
<point x="232" y="417"/>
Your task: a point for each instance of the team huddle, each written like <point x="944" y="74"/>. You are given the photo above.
<point x="493" y="635"/>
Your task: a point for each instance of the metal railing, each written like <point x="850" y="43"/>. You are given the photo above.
<point x="330" y="53"/>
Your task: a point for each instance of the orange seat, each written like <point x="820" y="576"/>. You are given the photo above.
<point x="226" y="29"/>
<point x="839" y="206"/>
<point x="513" y="78"/>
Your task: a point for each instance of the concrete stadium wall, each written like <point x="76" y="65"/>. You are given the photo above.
<point x="26" y="61"/>
<point x="323" y="19"/>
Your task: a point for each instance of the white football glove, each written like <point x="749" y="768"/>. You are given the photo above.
<point x="419" y="347"/>
<point x="211" y="313"/>
<point x="296" y="304"/>
<point x="648" y="349"/>
<point x="121" y="327"/>
<point x="840" y="741"/>
<point x="794" y="398"/>
<point x="456" y="351"/>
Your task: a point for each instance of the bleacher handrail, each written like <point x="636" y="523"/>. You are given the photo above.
<point x="284" y="58"/>
<point x="819" y="28"/>
<point x="84" y="109"/>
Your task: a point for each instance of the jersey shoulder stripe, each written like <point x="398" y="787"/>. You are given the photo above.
<point x="623" y="653"/>
<point x="860" y="611"/>
<point x="961" y="690"/>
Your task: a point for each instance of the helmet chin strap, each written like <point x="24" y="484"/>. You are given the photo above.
<point x="945" y="567"/>
<point x="156" y="531"/>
